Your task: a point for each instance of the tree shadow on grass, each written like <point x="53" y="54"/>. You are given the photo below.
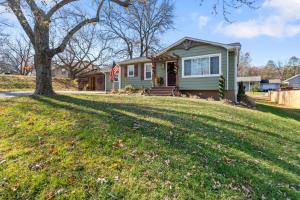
<point x="178" y="136"/>
<point x="289" y="113"/>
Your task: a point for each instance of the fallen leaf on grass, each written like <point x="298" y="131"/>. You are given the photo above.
<point x="35" y="166"/>
<point x="119" y="144"/>
<point x="102" y="180"/>
<point x="227" y="159"/>
<point x="50" y="196"/>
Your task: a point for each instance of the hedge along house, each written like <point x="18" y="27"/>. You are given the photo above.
<point x="192" y="66"/>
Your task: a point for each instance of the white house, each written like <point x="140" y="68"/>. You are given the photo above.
<point x="293" y="81"/>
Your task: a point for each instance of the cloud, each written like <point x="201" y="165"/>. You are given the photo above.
<point x="202" y="21"/>
<point x="279" y="19"/>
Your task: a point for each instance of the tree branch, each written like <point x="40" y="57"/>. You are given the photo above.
<point x="58" y="6"/>
<point x="83" y="23"/>
<point x="16" y="8"/>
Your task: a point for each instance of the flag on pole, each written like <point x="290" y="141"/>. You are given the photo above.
<point x="114" y="71"/>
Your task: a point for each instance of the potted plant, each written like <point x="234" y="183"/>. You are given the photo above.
<point x="160" y="81"/>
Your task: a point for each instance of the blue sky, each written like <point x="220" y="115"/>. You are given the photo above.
<point x="270" y="32"/>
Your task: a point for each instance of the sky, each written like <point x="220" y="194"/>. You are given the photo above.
<point x="272" y="31"/>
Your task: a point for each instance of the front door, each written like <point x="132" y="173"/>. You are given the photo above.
<point x="171" y="74"/>
<point x="92" y="83"/>
<point x="100" y="82"/>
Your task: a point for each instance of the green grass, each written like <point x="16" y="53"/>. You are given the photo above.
<point x="27" y="83"/>
<point x="125" y="147"/>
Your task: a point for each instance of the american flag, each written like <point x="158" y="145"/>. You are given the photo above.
<point x="114" y="71"/>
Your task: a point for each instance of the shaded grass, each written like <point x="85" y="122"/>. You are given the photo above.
<point x="121" y="147"/>
<point x="27" y="83"/>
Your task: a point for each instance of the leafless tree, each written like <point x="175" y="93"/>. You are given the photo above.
<point x="226" y="6"/>
<point x="88" y="49"/>
<point x="139" y="28"/>
<point x="18" y="55"/>
<point x="244" y="64"/>
<point x="38" y="17"/>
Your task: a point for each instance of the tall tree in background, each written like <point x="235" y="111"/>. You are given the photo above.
<point x="140" y="27"/>
<point x="37" y="17"/>
<point x="244" y="64"/>
<point x="87" y="50"/>
<point x="18" y="55"/>
<point x="294" y="66"/>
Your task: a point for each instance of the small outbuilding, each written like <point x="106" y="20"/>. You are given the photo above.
<point x="96" y="80"/>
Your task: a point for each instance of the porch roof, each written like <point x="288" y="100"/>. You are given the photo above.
<point x="165" y="57"/>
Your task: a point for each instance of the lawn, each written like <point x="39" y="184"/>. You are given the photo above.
<point x="126" y="147"/>
<point x="27" y="83"/>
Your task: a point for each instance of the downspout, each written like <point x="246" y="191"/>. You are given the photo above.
<point x="120" y="75"/>
<point x="105" y="82"/>
<point x="236" y="61"/>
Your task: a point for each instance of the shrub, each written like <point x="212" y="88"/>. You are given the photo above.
<point x="241" y="92"/>
<point x="221" y="87"/>
<point x="256" y="88"/>
<point x="130" y="89"/>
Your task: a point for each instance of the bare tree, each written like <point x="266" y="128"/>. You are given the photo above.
<point x="18" y="55"/>
<point x="244" y="64"/>
<point x="88" y="49"/>
<point x="226" y="6"/>
<point x="38" y="17"/>
<point x="139" y="28"/>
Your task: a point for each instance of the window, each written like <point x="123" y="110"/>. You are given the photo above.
<point x="148" y="71"/>
<point x="130" y="71"/>
<point x="201" y="66"/>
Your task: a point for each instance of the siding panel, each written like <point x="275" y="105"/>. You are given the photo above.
<point x="201" y="83"/>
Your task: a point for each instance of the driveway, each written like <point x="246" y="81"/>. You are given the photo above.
<point x="28" y="93"/>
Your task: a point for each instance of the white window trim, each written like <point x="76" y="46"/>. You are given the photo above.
<point x="147" y="79"/>
<point x="203" y="56"/>
<point x="227" y="84"/>
<point x="130" y="76"/>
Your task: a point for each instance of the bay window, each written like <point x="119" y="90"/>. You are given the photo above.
<point x="201" y="66"/>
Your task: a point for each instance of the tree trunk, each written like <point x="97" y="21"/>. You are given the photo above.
<point x="72" y="75"/>
<point x="42" y="62"/>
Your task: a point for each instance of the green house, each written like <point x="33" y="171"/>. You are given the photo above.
<point x="191" y="66"/>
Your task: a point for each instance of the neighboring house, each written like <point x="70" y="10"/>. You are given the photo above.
<point x="293" y="81"/>
<point x="60" y="72"/>
<point x="192" y="66"/>
<point x="270" y="85"/>
<point x="249" y="82"/>
<point x="57" y="71"/>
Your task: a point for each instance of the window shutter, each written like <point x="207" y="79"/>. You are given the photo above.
<point x="142" y="71"/>
<point x="136" y="70"/>
<point x="125" y="71"/>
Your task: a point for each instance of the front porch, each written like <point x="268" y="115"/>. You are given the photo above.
<point x="170" y="64"/>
